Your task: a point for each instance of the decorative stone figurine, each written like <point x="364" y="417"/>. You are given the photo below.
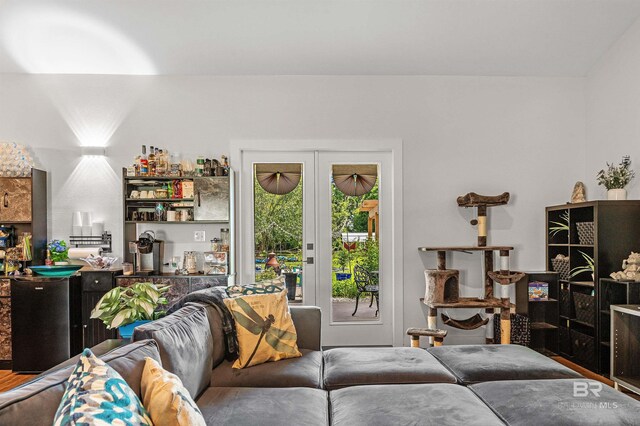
<point x="579" y="193"/>
<point x="631" y="268"/>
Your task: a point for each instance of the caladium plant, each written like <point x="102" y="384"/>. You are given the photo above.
<point x="125" y="305"/>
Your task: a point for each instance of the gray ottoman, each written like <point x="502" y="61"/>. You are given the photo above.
<point x="563" y="402"/>
<point x="427" y="404"/>
<point x="485" y="363"/>
<point x="374" y="366"/>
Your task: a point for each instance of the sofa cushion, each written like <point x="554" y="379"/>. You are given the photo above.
<point x="552" y="402"/>
<point x="305" y="371"/>
<point x="264" y="328"/>
<point x="264" y="406"/>
<point x="165" y="398"/>
<point x="484" y="363"/>
<point x="185" y="343"/>
<point x="36" y="402"/>
<point x="423" y="404"/>
<point x="97" y="393"/>
<point x="376" y="366"/>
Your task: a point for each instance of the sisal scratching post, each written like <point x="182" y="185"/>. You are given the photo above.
<point x="432" y="323"/>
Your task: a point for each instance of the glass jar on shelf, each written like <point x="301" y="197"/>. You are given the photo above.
<point x="224" y="239"/>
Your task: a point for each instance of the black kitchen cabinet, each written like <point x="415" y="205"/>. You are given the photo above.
<point x="94" y="285"/>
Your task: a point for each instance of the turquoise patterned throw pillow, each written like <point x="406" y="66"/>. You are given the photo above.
<point x="97" y="395"/>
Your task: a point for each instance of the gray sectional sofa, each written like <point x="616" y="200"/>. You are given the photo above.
<point x="449" y="385"/>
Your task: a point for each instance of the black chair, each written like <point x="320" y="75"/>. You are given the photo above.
<point x="365" y="284"/>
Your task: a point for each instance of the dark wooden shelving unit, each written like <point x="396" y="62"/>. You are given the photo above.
<point x="543" y="314"/>
<point x="613" y="292"/>
<point x="616" y="232"/>
<point x="24" y="208"/>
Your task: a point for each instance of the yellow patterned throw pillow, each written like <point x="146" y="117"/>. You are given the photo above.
<point x="264" y="328"/>
<point x="166" y="399"/>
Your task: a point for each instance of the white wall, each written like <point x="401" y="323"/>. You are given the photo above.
<point x="613" y="111"/>
<point x="461" y="134"/>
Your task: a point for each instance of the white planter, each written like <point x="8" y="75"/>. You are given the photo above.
<point x="617" y="194"/>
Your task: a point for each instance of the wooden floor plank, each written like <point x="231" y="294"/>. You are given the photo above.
<point x="10" y="380"/>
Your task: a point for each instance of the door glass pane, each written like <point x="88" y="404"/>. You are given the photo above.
<point x="355" y="230"/>
<point x="278" y="225"/>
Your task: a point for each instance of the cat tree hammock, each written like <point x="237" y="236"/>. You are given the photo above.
<point x="443" y="285"/>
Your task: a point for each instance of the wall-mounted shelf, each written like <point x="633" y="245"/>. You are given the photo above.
<point x="211" y="204"/>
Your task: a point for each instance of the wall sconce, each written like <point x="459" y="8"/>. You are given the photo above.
<point x="93" y="151"/>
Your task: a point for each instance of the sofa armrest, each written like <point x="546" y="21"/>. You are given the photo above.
<point x="307" y="321"/>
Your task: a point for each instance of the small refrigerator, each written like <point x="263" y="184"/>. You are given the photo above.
<point x="46" y="319"/>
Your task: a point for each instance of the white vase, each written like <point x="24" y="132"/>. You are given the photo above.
<point x="617" y="194"/>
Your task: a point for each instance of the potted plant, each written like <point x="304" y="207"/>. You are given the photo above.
<point x="559" y="226"/>
<point x="127" y="307"/>
<point x="616" y="178"/>
<point x="343" y="258"/>
<point x="589" y="267"/>
<point x="58" y="252"/>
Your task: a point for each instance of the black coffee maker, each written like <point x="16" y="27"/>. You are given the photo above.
<point x="148" y="254"/>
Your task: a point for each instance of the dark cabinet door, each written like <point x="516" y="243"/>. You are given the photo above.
<point x="93" y="330"/>
<point x="211" y="201"/>
<point x="15" y="200"/>
<point x="94" y="285"/>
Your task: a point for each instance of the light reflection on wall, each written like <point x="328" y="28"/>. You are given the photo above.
<point x="92" y="186"/>
<point x="45" y="39"/>
<point x="92" y="106"/>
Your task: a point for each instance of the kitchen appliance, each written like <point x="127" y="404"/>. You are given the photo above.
<point x="46" y="318"/>
<point x="148" y="254"/>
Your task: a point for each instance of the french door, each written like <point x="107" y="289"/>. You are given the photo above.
<point x="326" y="217"/>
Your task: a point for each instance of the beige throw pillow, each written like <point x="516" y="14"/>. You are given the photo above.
<point x="264" y="328"/>
<point x="166" y="399"/>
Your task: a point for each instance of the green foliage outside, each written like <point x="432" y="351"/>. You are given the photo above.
<point x="278" y="228"/>
<point x="277" y="220"/>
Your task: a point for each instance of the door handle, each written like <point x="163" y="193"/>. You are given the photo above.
<point x="198" y="195"/>
<point x="6" y="199"/>
<point x="84" y="329"/>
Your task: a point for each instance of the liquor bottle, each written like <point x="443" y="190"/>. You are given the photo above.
<point x="144" y="162"/>
<point x="152" y="162"/>
<point x="174" y="164"/>
<point x="48" y="260"/>
<point x="161" y="165"/>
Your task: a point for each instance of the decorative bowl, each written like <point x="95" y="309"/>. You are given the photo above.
<point x="100" y="262"/>
<point x="55" y="271"/>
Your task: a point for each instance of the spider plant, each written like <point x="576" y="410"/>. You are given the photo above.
<point x="559" y="226"/>
<point x="589" y="267"/>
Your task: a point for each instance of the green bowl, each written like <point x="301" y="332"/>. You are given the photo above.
<point x="55" y="270"/>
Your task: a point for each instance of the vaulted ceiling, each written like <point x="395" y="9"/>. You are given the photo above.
<point x="301" y="37"/>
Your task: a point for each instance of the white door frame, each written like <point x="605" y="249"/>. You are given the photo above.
<point x="394" y="146"/>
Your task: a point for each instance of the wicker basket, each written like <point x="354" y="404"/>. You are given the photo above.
<point x="585" y="233"/>
<point x="561" y="266"/>
<point x="585" y="306"/>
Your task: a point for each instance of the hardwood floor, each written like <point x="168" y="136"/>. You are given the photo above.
<point x="9" y="379"/>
